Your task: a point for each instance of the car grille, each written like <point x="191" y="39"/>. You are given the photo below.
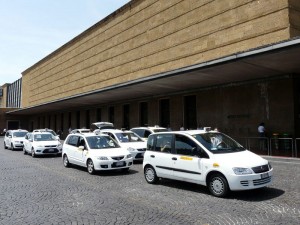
<point x="141" y="149"/>
<point x="261" y="169"/>
<point x="50" y="146"/>
<point x="52" y="150"/>
<point x="118" y="158"/>
<point x="262" y="181"/>
<point x="139" y="156"/>
<point x="257" y="182"/>
<point x="118" y="164"/>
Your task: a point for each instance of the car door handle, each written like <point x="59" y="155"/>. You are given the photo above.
<point x="174" y="158"/>
<point x="152" y="156"/>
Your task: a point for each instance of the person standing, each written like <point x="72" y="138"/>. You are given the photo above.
<point x="261" y="130"/>
<point x="262" y="134"/>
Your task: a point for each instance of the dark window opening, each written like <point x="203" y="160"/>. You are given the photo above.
<point x="143" y="114"/>
<point x="190" y="112"/>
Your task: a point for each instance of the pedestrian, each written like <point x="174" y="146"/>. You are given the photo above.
<point x="262" y="134"/>
<point x="261" y="130"/>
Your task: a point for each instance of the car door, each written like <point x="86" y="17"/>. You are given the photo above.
<point x="71" y="149"/>
<point x="30" y="142"/>
<point x="8" y="138"/>
<point x="161" y="155"/>
<point x="81" y="153"/>
<point x="25" y="143"/>
<point x="187" y="164"/>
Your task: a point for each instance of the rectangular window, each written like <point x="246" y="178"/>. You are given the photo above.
<point x="87" y="119"/>
<point x="143" y="114"/>
<point x="126" y="116"/>
<point x="111" y="114"/>
<point x="164" y="112"/>
<point x="190" y="112"/>
<point x="98" y="115"/>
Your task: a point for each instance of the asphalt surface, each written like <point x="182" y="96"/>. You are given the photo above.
<point x="41" y="191"/>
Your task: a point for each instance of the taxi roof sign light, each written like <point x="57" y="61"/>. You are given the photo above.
<point x="207" y="129"/>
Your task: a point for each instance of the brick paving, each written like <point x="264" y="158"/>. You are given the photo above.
<point x="41" y="191"/>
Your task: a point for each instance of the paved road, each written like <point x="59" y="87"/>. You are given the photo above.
<point x="42" y="191"/>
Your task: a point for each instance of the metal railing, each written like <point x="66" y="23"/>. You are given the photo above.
<point x="275" y="146"/>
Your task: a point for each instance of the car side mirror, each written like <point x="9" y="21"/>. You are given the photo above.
<point x="9" y="136"/>
<point x="81" y="148"/>
<point x="30" y="140"/>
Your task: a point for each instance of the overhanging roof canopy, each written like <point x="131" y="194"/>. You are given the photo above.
<point x="274" y="60"/>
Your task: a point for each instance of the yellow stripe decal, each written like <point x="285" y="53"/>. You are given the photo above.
<point x="186" y="158"/>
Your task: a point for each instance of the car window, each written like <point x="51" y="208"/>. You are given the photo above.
<point x="81" y="142"/>
<point x="163" y="143"/>
<point x="185" y="146"/>
<point x="218" y="143"/>
<point x="147" y="133"/>
<point x="127" y="137"/>
<point x="44" y="137"/>
<point x="19" y="134"/>
<point x="150" y="143"/>
<point x="73" y="140"/>
<point x="139" y="132"/>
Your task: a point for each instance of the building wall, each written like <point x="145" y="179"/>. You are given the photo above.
<point x="149" y="37"/>
<point x="236" y="110"/>
<point x="294" y="17"/>
<point x="3" y="99"/>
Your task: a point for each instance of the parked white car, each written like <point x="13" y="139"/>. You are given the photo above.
<point x="41" y="143"/>
<point x="204" y="157"/>
<point x="14" y="139"/>
<point x="129" y="140"/>
<point x="95" y="152"/>
<point x="144" y="132"/>
<point x="81" y="131"/>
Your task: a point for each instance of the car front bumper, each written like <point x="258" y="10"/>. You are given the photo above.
<point x="250" y="181"/>
<point x="112" y="164"/>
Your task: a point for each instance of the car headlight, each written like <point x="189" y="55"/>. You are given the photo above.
<point x="241" y="171"/>
<point x="270" y="167"/>
<point x="102" y="158"/>
<point x="131" y="149"/>
<point x="128" y="156"/>
<point x="59" y="145"/>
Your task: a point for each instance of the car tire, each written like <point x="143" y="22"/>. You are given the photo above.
<point x="90" y="167"/>
<point x="150" y="175"/>
<point x="218" y="185"/>
<point x="12" y="147"/>
<point x="66" y="161"/>
<point x="5" y="147"/>
<point x="33" y="153"/>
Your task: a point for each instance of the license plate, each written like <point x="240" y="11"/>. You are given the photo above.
<point x="51" y="150"/>
<point x="264" y="175"/>
<point x="119" y="163"/>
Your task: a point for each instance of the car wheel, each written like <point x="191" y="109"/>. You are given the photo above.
<point x="150" y="175"/>
<point x="33" y="153"/>
<point x="66" y="161"/>
<point x="5" y="147"/>
<point x="90" y="167"/>
<point x="12" y="147"/>
<point x="24" y="151"/>
<point x="218" y="185"/>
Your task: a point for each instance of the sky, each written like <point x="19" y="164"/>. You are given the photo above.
<point x="32" y="29"/>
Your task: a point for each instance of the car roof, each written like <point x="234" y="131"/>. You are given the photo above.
<point x="19" y="130"/>
<point x="151" y="127"/>
<point x="88" y="134"/>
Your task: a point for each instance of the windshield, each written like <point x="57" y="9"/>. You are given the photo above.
<point x="101" y="142"/>
<point x="44" y="137"/>
<point x="128" y="137"/>
<point x="19" y="134"/>
<point x="218" y="143"/>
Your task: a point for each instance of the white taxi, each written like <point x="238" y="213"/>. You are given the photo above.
<point x="41" y="143"/>
<point x="95" y="152"/>
<point x="14" y="139"/>
<point x="129" y="140"/>
<point x="204" y="157"/>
